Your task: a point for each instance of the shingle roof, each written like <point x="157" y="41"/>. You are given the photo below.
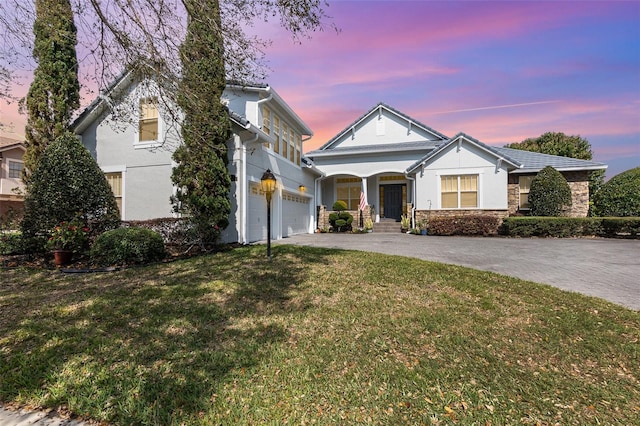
<point x="375" y="149"/>
<point x="535" y="161"/>
<point x="391" y="109"/>
<point x="9" y="142"/>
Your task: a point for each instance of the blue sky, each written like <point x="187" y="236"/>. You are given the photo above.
<point x="500" y="71"/>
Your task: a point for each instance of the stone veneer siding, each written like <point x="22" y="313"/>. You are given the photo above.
<point x="578" y="183"/>
<point x="430" y="214"/>
<point x="323" y="216"/>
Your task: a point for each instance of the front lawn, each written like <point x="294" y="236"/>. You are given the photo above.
<point x="316" y="336"/>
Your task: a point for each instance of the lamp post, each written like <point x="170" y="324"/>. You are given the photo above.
<point x="268" y="185"/>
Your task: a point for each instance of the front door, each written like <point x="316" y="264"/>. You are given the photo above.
<point x="392" y="196"/>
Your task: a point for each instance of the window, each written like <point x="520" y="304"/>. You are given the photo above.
<point x="276" y="133"/>
<point x="459" y="192"/>
<point x="266" y="123"/>
<point x="15" y="169"/>
<point x="525" y="187"/>
<point x="115" y="182"/>
<point x="292" y="146"/>
<point x="148" y="124"/>
<point x="348" y="190"/>
<point x="285" y="140"/>
<point x="298" y="149"/>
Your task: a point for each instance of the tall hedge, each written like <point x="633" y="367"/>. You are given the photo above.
<point x="620" y="196"/>
<point x="550" y="194"/>
<point x="67" y="184"/>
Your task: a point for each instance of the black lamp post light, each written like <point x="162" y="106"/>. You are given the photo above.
<point x="268" y="185"/>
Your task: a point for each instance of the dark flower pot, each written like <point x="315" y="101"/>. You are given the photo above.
<point x="62" y="257"/>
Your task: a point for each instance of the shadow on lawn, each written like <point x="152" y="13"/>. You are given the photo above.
<point x="147" y="345"/>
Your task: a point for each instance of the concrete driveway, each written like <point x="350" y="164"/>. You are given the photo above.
<point x="605" y="268"/>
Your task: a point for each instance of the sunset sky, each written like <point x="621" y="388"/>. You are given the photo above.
<point x="500" y="71"/>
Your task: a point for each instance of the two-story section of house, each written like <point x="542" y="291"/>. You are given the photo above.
<point x="135" y="153"/>
<point x="11" y="186"/>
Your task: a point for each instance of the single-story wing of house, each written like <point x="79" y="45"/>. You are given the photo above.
<point x="401" y="166"/>
<point x="404" y="167"/>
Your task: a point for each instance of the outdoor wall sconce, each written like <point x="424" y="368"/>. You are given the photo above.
<point x="268" y="185"/>
<point x="302" y="188"/>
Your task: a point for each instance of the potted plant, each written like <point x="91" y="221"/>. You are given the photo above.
<point x="424" y="225"/>
<point x="405" y="223"/>
<point x="368" y="225"/>
<point x="68" y="238"/>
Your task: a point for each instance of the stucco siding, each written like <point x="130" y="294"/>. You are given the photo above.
<point x="463" y="160"/>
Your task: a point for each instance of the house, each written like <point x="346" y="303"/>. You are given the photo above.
<point x="11" y="186"/>
<point x="401" y="166"/>
<point x="135" y="153"/>
<point x="404" y="167"/>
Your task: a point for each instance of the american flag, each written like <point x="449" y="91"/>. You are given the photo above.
<point x="362" y="202"/>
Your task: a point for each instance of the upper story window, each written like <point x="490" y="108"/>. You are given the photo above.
<point x="525" y="186"/>
<point x="285" y="140"/>
<point x="459" y="192"/>
<point x="276" y="134"/>
<point x="15" y="169"/>
<point x="266" y="123"/>
<point x="148" y="122"/>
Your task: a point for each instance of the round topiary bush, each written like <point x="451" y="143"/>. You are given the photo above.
<point x="620" y="196"/>
<point x="340" y="220"/>
<point x="67" y="185"/>
<point x="550" y="194"/>
<point x="127" y="246"/>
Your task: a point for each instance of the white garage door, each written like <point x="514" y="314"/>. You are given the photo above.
<point x="295" y="214"/>
<point x="256" y="214"/>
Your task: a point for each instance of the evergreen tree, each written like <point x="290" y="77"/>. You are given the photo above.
<point x="54" y="93"/>
<point x="201" y="174"/>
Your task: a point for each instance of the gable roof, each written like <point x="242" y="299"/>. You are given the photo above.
<point x="9" y="143"/>
<point x="522" y="161"/>
<point x="126" y="78"/>
<point x="390" y="109"/>
<point x="458" y="138"/>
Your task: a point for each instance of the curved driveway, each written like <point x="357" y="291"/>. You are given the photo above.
<point x="605" y="268"/>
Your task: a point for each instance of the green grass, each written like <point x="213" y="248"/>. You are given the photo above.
<point x="316" y="336"/>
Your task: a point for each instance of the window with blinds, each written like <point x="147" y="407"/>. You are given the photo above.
<point x="459" y="192"/>
<point x="148" y="122"/>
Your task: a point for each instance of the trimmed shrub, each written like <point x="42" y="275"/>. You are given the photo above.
<point x="620" y="196"/>
<point x="484" y="225"/>
<point x="340" y="220"/>
<point x="67" y="185"/>
<point x="340" y="206"/>
<point x="127" y="246"/>
<point x="174" y="231"/>
<point x="550" y="194"/>
<point x="562" y="227"/>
